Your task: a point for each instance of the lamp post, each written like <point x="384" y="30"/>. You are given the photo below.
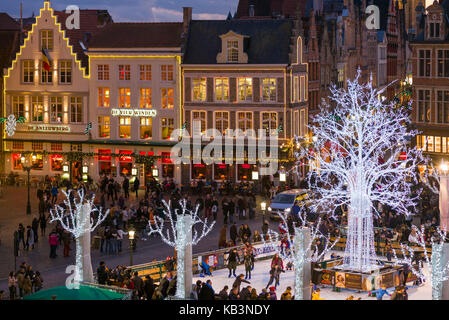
<point x="444" y="195"/>
<point x="131" y="233"/>
<point x="27" y="168"/>
<point x="263" y="207"/>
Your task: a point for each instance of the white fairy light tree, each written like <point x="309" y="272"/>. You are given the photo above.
<point x="80" y="217"/>
<point x="302" y="246"/>
<point x="439" y="272"/>
<point x="180" y="233"/>
<point x="360" y="157"/>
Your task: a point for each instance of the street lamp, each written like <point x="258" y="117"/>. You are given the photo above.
<point x="131" y="233"/>
<point x="444" y="194"/>
<point x="27" y="169"/>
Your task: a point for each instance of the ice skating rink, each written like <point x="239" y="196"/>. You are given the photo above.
<point x="260" y="277"/>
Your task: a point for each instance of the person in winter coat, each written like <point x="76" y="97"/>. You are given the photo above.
<point x="223" y="294"/>
<point x="20" y="276"/>
<point x="272" y="294"/>
<point x="238" y="281"/>
<point x="380" y="292"/>
<point x="275" y="273"/>
<point x="316" y="294"/>
<point x="102" y="273"/>
<point x="53" y="242"/>
<point x="234" y="295"/>
<point x="138" y="285"/>
<point x="194" y="292"/>
<point x="37" y="281"/>
<point x="248" y="265"/>
<point x="253" y="295"/>
<point x="222" y="238"/>
<point x="206" y="292"/>
<point x="30" y="238"/>
<point x="245" y="294"/>
<point x="399" y="294"/>
<point x="42" y="223"/>
<point x="233" y="233"/>
<point x="136" y="186"/>
<point x="233" y="258"/>
<point x="12" y="282"/>
<point x="277" y="261"/>
<point x="263" y="295"/>
<point x="27" y="285"/>
<point x="148" y="287"/>
<point x="287" y="295"/>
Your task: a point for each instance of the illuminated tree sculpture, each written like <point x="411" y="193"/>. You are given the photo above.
<point x="360" y="157"/>
<point x="80" y="217"/>
<point x="415" y="256"/>
<point x="300" y="248"/>
<point x="181" y="233"/>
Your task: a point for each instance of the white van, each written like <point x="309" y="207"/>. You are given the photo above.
<point x="284" y="201"/>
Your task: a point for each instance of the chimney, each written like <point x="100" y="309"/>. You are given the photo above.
<point x="251" y="10"/>
<point x="186" y="18"/>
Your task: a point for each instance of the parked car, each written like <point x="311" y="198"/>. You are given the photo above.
<point x="284" y="201"/>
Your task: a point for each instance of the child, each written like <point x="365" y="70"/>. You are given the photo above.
<point x="248" y="265"/>
<point x="205" y="269"/>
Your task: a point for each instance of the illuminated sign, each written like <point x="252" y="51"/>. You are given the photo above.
<point x="48" y="128"/>
<point x="134" y="112"/>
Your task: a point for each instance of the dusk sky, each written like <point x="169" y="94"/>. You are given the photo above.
<point x="131" y="10"/>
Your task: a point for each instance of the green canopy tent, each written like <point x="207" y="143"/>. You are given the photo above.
<point x="83" y="293"/>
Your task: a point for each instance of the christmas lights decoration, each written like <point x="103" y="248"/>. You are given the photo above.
<point x="355" y="160"/>
<point x="180" y="232"/>
<point x="78" y="217"/>
<point x="11" y="123"/>
<point x="438" y="272"/>
<point x="301" y="247"/>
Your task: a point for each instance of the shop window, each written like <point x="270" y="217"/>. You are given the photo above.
<point x="56" y="162"/>
<point x="105" y="162"/>
<point x="16" y="161"/>
<point x="38" y="162"/>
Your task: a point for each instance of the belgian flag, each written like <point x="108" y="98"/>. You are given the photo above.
<point x="45" y="61"/>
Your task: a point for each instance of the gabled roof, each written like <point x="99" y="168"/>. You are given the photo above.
<point x="139" y="35"/>
<point x="268" y="40"/>
<point x="8" y="23"/>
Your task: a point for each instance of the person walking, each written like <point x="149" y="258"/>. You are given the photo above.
<point x="35" y="228"/>
<point x="30" y="238"/>
<point x="21" y="235"/>
<point x="12" y="282"/>
<point x="126" y="187"/>
<point x="232" y="262"/>
<point x="214" y="208"/>
<point x="20" y="276"/>
<point x="53" y="242"/>
<point x="136" y="187"/>
<point x="42" y="223"/>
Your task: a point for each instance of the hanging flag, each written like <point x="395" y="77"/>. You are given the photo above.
<point x="45" y="61"/>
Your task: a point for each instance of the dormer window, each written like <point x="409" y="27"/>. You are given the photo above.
<point x="434" y="29"/>
<point x="233" y="50"/>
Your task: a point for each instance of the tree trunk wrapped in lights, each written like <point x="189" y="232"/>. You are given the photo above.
<point x="302" y="247"/>
<point x="439" y="271"/>
<point x="80" y="217"/>
<point x="181" y="234"/>
<point x="361" y="157"/>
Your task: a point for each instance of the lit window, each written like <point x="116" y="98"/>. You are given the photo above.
<point x="423" y="105"/>
<point x="37" y="108"/>
<point x="103" y="127"/>
<point x="56" y="112"/>
<point x="245" y="89"/>
<point x="145" y="98"/>
<point x="221" y="89"/>
<point x="199" y="120"/>
<point x="124" y="98"/>
<point x="443" y="63"/>
<point x="269" y="121"/>
<point x="167" y="127"/>
<point x="103" y="97"/>
<point x="125" y="127"/>
<point x="146" y="128"/>
<point x="18" y="107"/>
<point x="199" y="89"/>
<point x="269" y="90"/>
<point x="167" y="100"/>
<point x="46" y="76"/>
<point x="244" y="121"/>
<point x="424" y="62"/>
<point x="222" y="121"/>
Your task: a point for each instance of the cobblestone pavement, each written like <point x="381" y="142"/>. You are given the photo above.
<point x="13" y="212"/>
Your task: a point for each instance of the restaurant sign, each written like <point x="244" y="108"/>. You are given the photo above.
<point x="134" y="112"/>
<point x="48" y="128"/>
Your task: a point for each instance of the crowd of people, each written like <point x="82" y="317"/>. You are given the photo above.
<point x="24" y="282"/>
